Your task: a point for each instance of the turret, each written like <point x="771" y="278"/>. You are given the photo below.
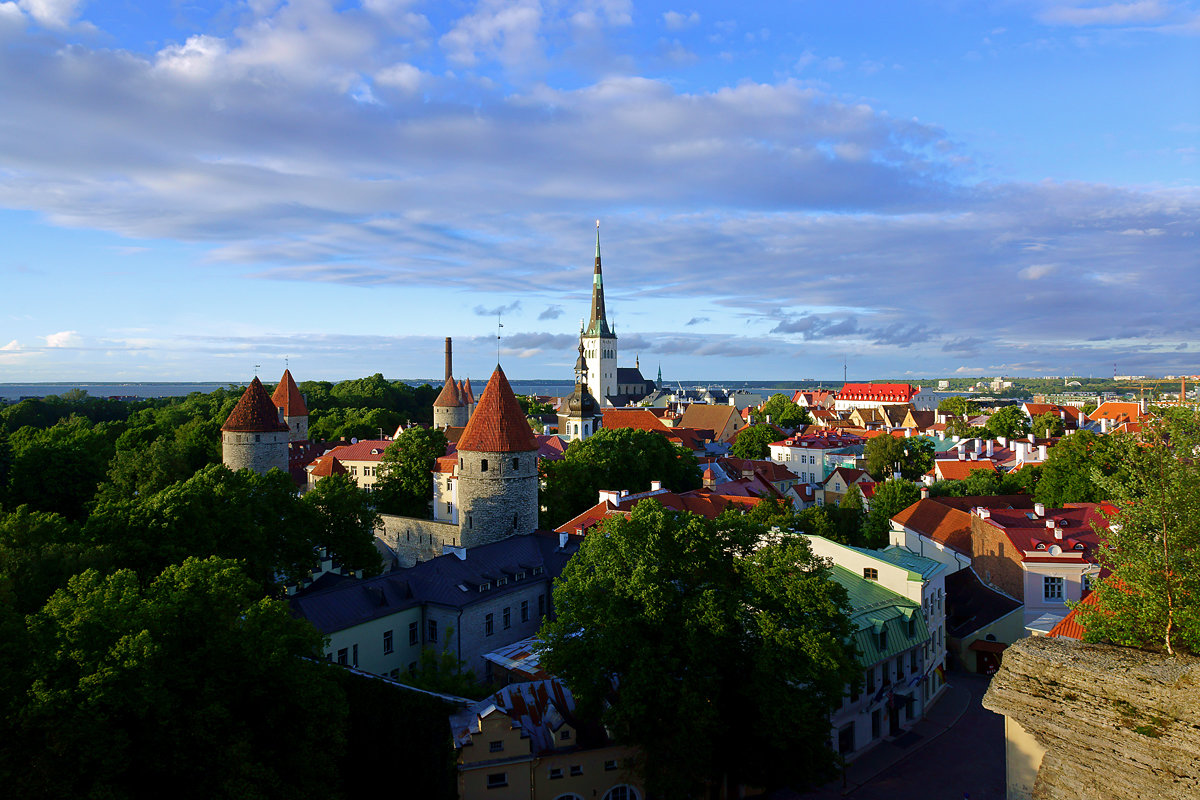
<point x="497" y="469"/>
<point x="450" y="409"/>
<point x="579" y="414"/>
<point x="253" y="437"/>
<point x="292" y="410"/>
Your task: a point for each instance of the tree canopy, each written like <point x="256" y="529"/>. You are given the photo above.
<point x="914" y="456"/>
<point x="404" y="484"/>
<point x="1071" y="469"/>
<point x="890" y="498"/>
<point x="780" y="410"/>
<point x="666" y="616"/>
<point x="754" y="441"/>
<point x="1152" y="599"/>
<point x="1047" y="425"/>
<point x="612" y="458"/>
<point x="1008" y="422"/>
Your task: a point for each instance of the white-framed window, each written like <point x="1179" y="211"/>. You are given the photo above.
<point x="622" y="792"/>
<point x="1052" y="589"/>
<point x="497" y="779"/>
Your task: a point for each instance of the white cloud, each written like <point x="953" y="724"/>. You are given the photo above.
<point x="404" y="77"/>
<point x="52" y="13"/>
<point x="1142" y="11"/>
<point x="63" y="339"/>
<point x="505" y="32"/>
<point x="1035" y="272"/>
<point x="676" y="21"/>
<point x="11" y="346"/>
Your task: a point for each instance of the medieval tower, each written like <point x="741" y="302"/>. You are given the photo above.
<point x="497" y="469"/>
<point x="253" y="437"/>
<point x="452" y="408"/>
<point x="579" y="414"/>
<point x="292" y="410"/>
<point x="599" y="340"/>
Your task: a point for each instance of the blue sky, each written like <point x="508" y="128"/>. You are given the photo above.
<point x="920" y="188"/>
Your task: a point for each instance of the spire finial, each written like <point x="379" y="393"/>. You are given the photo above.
<point x="597" y="239"/>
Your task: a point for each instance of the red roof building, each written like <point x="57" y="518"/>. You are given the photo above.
<point x="873" y="395"/>
<point x="287" y="397"/>
<point x="698" y="501"/>
<point x="498" y="424"/>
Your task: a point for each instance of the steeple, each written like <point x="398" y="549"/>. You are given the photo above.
<point x="581" y="364"/>
<point x="598" y="324"/>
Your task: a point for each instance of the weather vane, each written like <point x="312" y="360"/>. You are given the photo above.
<point x="499" y="325"/>
<point x="256" y="366"/>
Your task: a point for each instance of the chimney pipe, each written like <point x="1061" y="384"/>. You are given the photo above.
<point x="655" y="486"/>
<point x="1039" y="509"/>
<point x="1041" y="452"/>
<point x="449" y="370"/>
<point x="924" y="492"/>
<point x="562" y="541"/>
<point x="991" y="448"/>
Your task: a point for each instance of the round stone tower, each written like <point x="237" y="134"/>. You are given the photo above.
<point x="253" y="437"/>
<point x="451" y="409"/>
<point x="292" y="410"/>
<point x="497" y="469"/>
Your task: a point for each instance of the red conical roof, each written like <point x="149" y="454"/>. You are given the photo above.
<point x="450" y="397"/>
<point x="287" y="396"/>
<point x="498" y="424"/>
<point x="470" y="393"/>
<point x="255" y="412"/>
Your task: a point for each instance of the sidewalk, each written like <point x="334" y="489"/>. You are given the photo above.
<point x="944" y="714"/>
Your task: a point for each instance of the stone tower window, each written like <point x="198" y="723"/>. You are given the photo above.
<point x="483" y="465"/>
<point x="514" y="520"/>
<point x="257" y="437"/>
<point x="516" y="463"/>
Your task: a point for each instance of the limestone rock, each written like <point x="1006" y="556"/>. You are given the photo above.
<point x="1115" y="723"/>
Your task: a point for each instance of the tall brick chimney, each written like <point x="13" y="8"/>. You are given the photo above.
<point x="448" y="359"/>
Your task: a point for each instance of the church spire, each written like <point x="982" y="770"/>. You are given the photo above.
<point x="598" y="324"/>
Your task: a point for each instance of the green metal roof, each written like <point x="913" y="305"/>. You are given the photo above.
<point x="903" y="557"/>
<point x="876" y="609"/>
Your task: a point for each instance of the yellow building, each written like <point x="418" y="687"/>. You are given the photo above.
<point x="525" y="742"/>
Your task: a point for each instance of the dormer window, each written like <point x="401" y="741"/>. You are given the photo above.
<point x="1078" y="546"/>
<point x="483" y="587"/>
<point x="1041" y="546"/>
<point x="870" y="573"/>
<point x="883" y="639"/>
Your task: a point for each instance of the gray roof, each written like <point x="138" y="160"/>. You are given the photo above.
<point x="446" y="580"/>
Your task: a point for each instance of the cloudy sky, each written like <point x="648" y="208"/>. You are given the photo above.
<point x="919" y="188"/>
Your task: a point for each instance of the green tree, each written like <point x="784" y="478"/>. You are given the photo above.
<point x="1009" y="422"/>
<point x="781" y="411"/>
<point x="748" y="644"/>
<point x="1047" y="425"/>
<point x="5" y="465"/>
<point x="612" y="458"/>
<point x="38" y="552"/>
<point x="754" y="441"/>
<point x="349" y="520"/>
<point x="404" y="483"/>
<point x="1152" y="599"/>
<point x="1071" y="469"/>
<point x="58" y="468"/>
<point x="443" y="672"/>
<point x="914" y="456"/>
<point x="890" y="498"/>
<point x="957" y="407"/>
<point x="131" y="690"/>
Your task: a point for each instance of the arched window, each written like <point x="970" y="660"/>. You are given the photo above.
<point x="622" y="792"/>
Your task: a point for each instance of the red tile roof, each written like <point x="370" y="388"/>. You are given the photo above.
<point x="1068" y="627"/>
<point x="254" y="413"/>
<point x="699" y="501"/>
<point x="955" y="470"/>
<point x="362" y="450"/>
<point x="641" y="419"/>
<point x="1075" y="520"/>
<point x="878" y="392"/>
<point x="328" y="465"/>
<point x="711" y="417"/>
<point x="1115" y="411"/>
<point x="498" y="424"/>
<point x="450" y="396"/>
<point x="938" y="522"/>
<point x="287" y="396"/>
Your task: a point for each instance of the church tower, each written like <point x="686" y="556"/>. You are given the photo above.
<point x="292" y="410"/>
<point x="599" y="340"/>
<point x="580" y="414"/>
<point x="253" y="437"/>
<point x="497" y="469"/>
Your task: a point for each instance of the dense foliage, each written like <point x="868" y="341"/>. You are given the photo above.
<point x="612" y="458"/>
<point x="890" y="498"/>
<point x="404" y="484"/>
<point x="913" y="457"/>
<point x="720" y="659"/>
<point x="780" y="410"/>
<point x="1072" y="466"/>
<point x="754" y="441"/>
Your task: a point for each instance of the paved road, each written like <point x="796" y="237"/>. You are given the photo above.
<point x="935" y="765"/>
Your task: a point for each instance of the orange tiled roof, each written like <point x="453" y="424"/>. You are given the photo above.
<point x="698" y="501"/>
<point x="255" y="412"/>
<point x="450" y="396"/>
<point x="328" y="465"/>
<point x="1068" y="627"/>
<point x="498" y="424"/>
<point x="955" y="470"/>
<point x="709" y="417"/>
<point x="287" y="396"/>
<point x="939" y="522"/>
<point x="878" y="392"/>
<point x="641" y="419"/>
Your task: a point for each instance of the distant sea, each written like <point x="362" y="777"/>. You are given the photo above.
<point x="14" y="392"/>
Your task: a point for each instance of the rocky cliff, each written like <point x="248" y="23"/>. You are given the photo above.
<point x="1115" y="723"/>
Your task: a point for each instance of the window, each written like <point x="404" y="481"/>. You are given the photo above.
<point x="387" y="643"/>
<point x="899" y="667"/>
<point x="414" y="633"/>
<point x="622" y="793"/>
<point x="489" y="625"/>
<point x="507" y="618"/>
<point x="433" y="630"/>
<point x="1052" y="589"/>
<point x="496" y="747"/>
<point x="912" y="662"/>
<point x="576" y="770"/>
<point x="1089" y="582"/>
<point x="541" y="605"/>
<point x="870" y="573"/>
<point x="497" y="780"/>
<point x="343" y="656"/>
<point x="449" y="508"/>
<point x="912" y="625"/>
<point x="556" y="773"/>
<point x="564" y="734"/>
<point x="354" y="655"/>
<point x="883" y="639"/>
<point x="524" y="611"/>
<point x="354" y="471"/>
<point x="483" y="465"/>
<point x="516" y="463"/>
<point x="870" y="680"/>
<point x="610" y="765"/>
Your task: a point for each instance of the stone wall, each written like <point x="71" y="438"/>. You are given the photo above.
<point x="258" y="452"/>
<point x="416" y="540"/>
<point x="450" y="416"/>
<point x="497" y="496"/>
<point x="1114" y="723"/>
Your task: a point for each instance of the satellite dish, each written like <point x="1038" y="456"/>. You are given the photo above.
<point x="353" y="441"/>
